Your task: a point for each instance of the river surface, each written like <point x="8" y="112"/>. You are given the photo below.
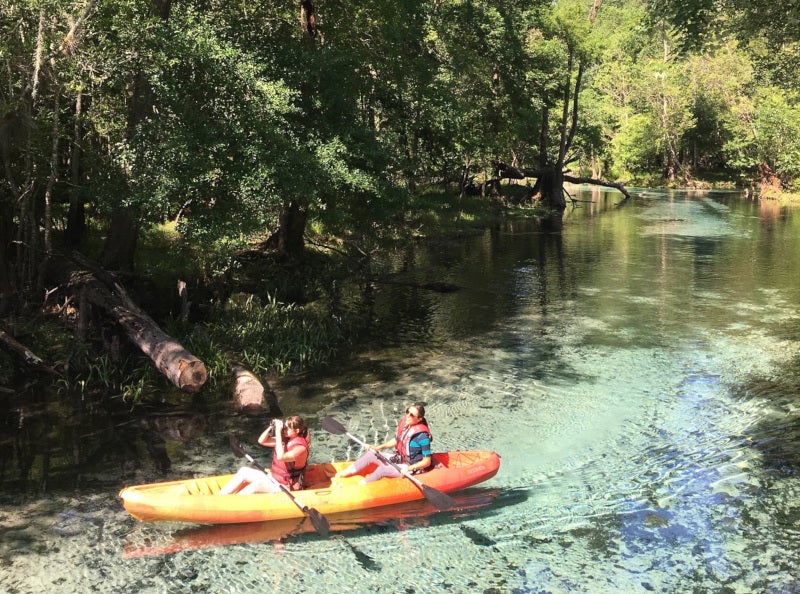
<point x="638" y="371"/>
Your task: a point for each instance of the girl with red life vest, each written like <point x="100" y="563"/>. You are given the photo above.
<point x="291" y="443"/>
<point x="412" y="444"/>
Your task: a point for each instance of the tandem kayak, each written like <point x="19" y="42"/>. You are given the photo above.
<point x="196" y="500"/>
<point x="146" y="543"/>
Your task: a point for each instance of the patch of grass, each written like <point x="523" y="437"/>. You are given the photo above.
<point x="162" y="255"/>
<point x="442" y="210"/>
<point x="781" y="196"/>
<point x="270" y="337"/>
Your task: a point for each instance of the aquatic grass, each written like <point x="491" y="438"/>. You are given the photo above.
<point x="89" y="375"/>
<point x="268" y="338"/>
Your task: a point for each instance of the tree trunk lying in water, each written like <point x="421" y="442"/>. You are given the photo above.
<point x="177" y="364"/>
<point x="251" y="395"/>
<point x="27" y="355"/>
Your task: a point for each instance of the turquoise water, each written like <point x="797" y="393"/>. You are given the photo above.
<point x="639" y="374"/>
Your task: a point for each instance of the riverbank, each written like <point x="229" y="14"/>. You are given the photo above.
<point x="243" y="304"/>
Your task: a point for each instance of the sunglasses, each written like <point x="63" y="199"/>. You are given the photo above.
<point x="408" y="412"/>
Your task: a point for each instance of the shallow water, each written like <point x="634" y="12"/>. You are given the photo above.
<point x="638" y="374"/>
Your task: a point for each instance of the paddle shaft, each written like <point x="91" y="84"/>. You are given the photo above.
<point x="319" y="521"/>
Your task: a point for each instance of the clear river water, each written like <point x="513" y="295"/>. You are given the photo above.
<point x="638" y="371"/>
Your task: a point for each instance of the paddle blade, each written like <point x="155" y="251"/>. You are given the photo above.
<point x="236" y="447"/>
<point x="331" y="425"/>
<point x="442" y="501"/>
<point x="320" y="522"/>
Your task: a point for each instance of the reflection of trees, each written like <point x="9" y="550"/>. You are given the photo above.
<point x="154" y="427"/>
<point x="23" y="432"/>
<point x="43" y="448"/>
<point x="771" y="211"/>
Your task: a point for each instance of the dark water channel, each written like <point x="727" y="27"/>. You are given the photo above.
<point x="638" y="372"/>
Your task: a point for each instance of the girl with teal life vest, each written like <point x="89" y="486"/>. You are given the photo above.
<point x="412" y="444"/>
<point x="289" y="458"/>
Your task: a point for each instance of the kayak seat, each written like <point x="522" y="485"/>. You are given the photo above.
<point x="436" y="463"/>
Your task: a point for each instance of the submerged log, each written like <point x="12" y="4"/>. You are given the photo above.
<point x="99" y="288"/>
<point x="250" y="395"/>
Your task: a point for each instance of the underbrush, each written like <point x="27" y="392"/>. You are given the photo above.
<point x="246" y="307"/>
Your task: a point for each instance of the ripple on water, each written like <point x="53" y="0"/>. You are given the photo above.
<point x="637" y="456"/>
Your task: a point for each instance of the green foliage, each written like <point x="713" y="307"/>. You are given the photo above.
<point x="767" y="131"/>
<point x="209" y="120"/>
<point x="635" y="147"/>
<point x="220" y="131"/>
<point x="718" y="81"/>
<point x="94" y="377"/>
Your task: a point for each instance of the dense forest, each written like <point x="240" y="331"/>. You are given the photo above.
<point x="152" y="144"/>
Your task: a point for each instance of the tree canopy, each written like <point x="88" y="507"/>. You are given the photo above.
<point x="240" y="120"/>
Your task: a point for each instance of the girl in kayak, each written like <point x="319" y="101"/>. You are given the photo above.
<point x="289" y="458"/>
<point x="412" y="445"/>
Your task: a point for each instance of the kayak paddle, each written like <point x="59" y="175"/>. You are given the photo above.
<point x="319" y="521"/>
<point x="441" y="500"/>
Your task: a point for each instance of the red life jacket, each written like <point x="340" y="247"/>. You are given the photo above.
<point x="287" y="473"/>
<point x="404" y="436"/>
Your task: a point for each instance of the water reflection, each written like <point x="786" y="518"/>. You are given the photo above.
<point x="52" y="444"/>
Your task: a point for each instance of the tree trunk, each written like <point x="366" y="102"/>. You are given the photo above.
<point x="120" y="244"/>
<point x="6" y="234"/>
<point x="248" y="392"/>
<point x="551" y="187"/>
<point x="24" y="353"/>
<point x="76" y="217"/>
<point x="123" y="232"/>
<point x="288" y="239"/>
<point x="251" y="395"/>
<point x="308" y="18"/>
<point x="177" y="364"/>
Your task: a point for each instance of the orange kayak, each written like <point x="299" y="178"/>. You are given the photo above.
<point x="196" y="537"/>
<point x="196" y="500"/>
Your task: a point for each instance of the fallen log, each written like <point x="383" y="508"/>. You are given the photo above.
<point x="250" y="395"/>
<point x="100" y="288"/>
<point x="598" y="182"/>
<point x="248" y="392"/>
<point x="526" y="172"/>
<point x="506" y="171"/>
<point x="25" y="353"/>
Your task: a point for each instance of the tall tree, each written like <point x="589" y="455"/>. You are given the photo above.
<point x="42" y="38"/>
<point x="570" y="30"/>
<point x="123" y="229"/>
